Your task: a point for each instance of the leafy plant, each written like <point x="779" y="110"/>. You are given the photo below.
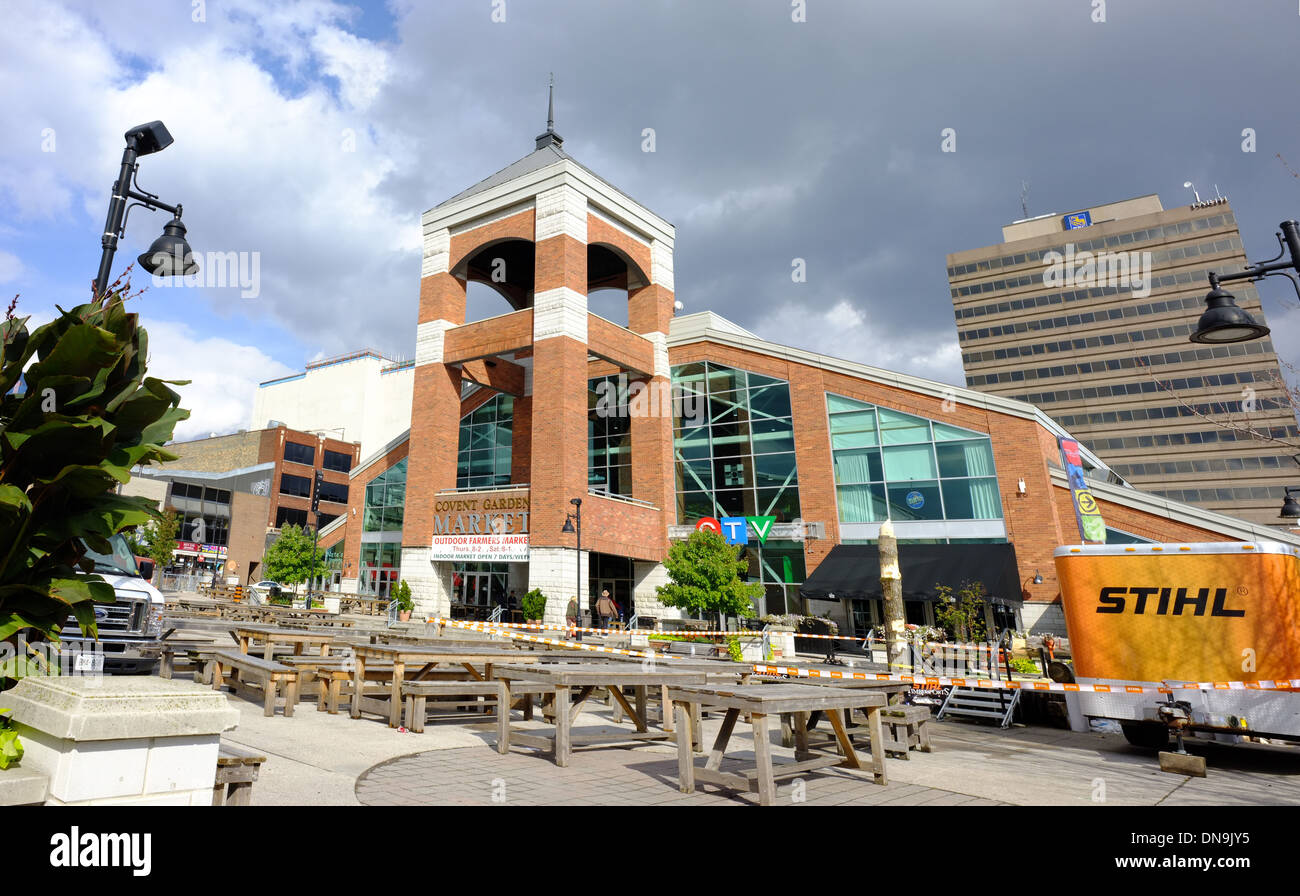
<point x="533" y="604"/>
<point x="11" y="748"/>
<point x="704" y="577"/>
<point x="961" y="612"/>
<point x="402" y="597"/>
<point x="1024" y="666"/>
<point x="159" y="538"/>
<point x="289" y="559"/>
<point x="734" y="650"/>
<point x="77" y="413"/>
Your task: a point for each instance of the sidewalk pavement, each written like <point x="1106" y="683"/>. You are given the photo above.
<point x="318" y="759"/>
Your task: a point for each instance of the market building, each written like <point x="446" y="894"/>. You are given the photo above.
<point x="659" y="422"/>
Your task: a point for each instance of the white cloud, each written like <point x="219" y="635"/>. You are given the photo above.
<point x="845" y="331"/>
<point x="10" y="267"/>
<point x="224" y="376"/>
<point x="292" y="172"/>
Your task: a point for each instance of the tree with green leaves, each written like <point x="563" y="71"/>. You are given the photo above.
<point x="704" y="575"/>
<point x="289" y="558"/>
<point x="960" y="611"/>
<point x="77" y="413"/>
<point x="157" y="540"/>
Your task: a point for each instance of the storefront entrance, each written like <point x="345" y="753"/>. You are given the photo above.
<point x="612" y="574"/>
<point x="478" y="588"/>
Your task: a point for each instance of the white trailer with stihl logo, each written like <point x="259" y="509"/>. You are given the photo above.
<point x="1224" y="616"/>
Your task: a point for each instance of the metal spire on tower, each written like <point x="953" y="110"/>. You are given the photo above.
<point x="550" y="138"/>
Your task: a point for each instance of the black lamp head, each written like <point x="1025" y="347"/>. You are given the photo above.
<point x="1038" y="577"/>
<point x="149" y="138"/>
<point x="1224" y="322"/>
<point x="1290" y="507"/>
<point x="568" y="526"/>
<point x="170" y="255"/>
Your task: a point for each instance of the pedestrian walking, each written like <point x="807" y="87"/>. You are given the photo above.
<point x="606" y="608"/>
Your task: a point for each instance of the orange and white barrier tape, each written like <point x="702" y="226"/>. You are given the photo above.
<point x="922" y="681"/>
<point x="550" y="642"/>
<point x="551" y="626"/>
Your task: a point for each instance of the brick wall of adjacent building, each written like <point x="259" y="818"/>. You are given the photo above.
<point x="217" y="454"/>
<point x="247" y="535"/>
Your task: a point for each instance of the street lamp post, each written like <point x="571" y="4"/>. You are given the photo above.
<point x="170" y="255"/>
<point x="570" y="519"/>
<point x="1223" y="321"/>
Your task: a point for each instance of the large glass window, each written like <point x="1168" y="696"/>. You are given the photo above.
<point x="297" y="486"/>
<point x="609" y="436"/>
<point x="483" y="453"/>
<point x="386" y="500"/>
<point x="299" y="454"/>
<point x="733" y="443"/>
<point x="337" y="461"/>
<point x="380" y="565"/>
<point x="922" y="469"/>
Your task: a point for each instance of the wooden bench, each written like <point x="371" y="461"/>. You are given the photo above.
<point x="447" y="693"/>
<point x="236" y="771"/>
<point x="189" y="651"/>
<point x="906" y="727"/>
<point x="271" y="675"/>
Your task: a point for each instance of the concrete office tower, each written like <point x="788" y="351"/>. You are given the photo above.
<point x="1087" y="316"/>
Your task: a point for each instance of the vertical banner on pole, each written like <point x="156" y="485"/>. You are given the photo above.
<point x="1092" y="529"/>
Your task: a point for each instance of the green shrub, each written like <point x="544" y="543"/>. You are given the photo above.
<point x="734" y="649"/>
<point x="402" y="597"/>
<point x="534" y="605"/>
<point x="1024" y="666"/>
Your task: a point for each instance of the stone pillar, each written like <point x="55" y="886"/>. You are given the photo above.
<point x="646" y="578"/>
<point x="430" y="582"/>
<point x="121" y="740"/>
<point x="558" y="470"/>
<point x="555" y="571"/>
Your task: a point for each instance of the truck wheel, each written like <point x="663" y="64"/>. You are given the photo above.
<point x="1149" y="735"/>
<point x="1060" y="672"/>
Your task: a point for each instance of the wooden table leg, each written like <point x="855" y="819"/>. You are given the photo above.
<point x="641" y="703"/>
<point x="269" y="651"/>
<point x="503" y="718"/>
<point x="877" y="733"/>
<point x="685" y="757"/>
<point x="621" y="702"/>
<point x="358" y="679"/>
<point x="395" y="698"/>
<point x="562" y="725"/>
<point x="714" y="762"/>
<point x="801" y="725"/>
<point x="665" y="709"/>
<point x="763" y="754"/>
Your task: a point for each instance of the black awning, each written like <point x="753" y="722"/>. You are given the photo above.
<point x="853" y="571"/>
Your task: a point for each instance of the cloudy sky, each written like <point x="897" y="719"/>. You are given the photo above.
<point x="314" y="133"/>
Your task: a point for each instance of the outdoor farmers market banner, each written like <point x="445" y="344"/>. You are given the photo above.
<point x="1092" y="529"/>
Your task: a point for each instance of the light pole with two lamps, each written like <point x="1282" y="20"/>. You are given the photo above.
<point x="170" y="255"/>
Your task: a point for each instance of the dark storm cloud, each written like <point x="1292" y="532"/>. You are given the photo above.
<point x="821" y="140"/>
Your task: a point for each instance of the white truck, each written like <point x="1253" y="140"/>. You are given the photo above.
<point x="1223" y="615"/>
<point x="130" y="628"/>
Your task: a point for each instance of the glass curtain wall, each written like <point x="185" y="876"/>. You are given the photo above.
<point x="898" y="466"/>
<point x="733" y="446"/>
<point x="483" y="452"/>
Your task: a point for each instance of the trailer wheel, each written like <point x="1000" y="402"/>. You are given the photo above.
<point x="1149" y="735"/>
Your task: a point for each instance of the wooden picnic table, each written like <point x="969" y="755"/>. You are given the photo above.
<point x="761" y="701"/>
<point x="272" y="635"/>
<point x="559" y="679"/>
<point x="890" y="689"/>
<point x="400" y="655"/>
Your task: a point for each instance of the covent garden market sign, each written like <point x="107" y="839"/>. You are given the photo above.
<point x="483" y="529"/>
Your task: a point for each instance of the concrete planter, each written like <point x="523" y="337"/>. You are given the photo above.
<point x="121" y="740"/>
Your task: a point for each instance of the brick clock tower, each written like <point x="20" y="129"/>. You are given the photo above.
<point x="543" y="233"/>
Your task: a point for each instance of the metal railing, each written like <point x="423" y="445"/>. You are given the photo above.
<point x="495" y="615"/>
<point x="512" y="487"/>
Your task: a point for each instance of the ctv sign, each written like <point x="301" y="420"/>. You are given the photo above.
<point x="734" y="529"/>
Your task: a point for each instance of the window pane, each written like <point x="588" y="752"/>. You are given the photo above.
<point x="897" y="428"/>
<point x="854" y="439"/>
<point x="858" y="466"/>
<point x="774" y="470"/>
<point x="839" y="403"/>
<point x="912" y="462"/>
<point x="861" y="421"/>
<point x="772" y="435"/>
<point x="770" y="401"/>
<point x="782" y="503"/>
<point x="861" y="503"/>
<point x="915" y="501"/>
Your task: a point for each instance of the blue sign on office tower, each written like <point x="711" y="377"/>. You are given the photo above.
<point x="1077" y="220"/>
